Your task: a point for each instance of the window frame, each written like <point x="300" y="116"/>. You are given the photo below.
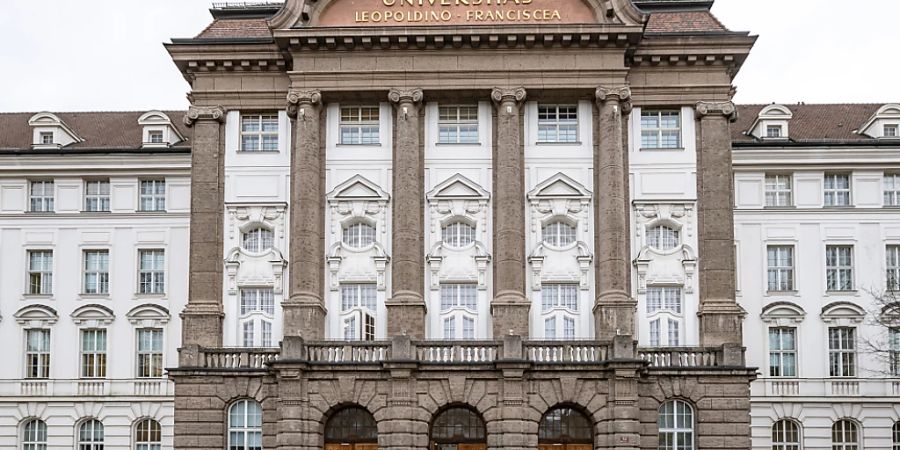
<point x="43" y="135"/>
<point x="838" y="358"/>
<point x="892" y="267"/>
<point x="847" y="427"/>
<point x="246" y="429"/>
<point x="151" y="134"/>
<point x="37" y="440"/>
<point x="93" y="361"/>
<point x="456" y="125"/>
<point x="782" y="195"/>
<point x="155" y="359"/>
<point x="100" y="199"/>
<point x="261" y="236"/>
<point x="354" y="230"/>
<point x="41" y="202"/>
<point x="891" y="126"/>
<point x="102" y="273"/>
<point x="93" y="443"/>
<point x="891" y="194"/>
<point x="784" y="272"/>
<point x="155" y="198"/>
<point x="361" y="130"/>
<point x="38" y="361"/>
<point x="778" y="131"/>
<point x="555" y="237"/>
<point x="44" y="272"/>
<point x="780" y="428"/>
<point x="781" y="352"/>
<point x="840" y="273"/>
<point x="157" y="276"/>
<point x="558" y="124"/>
<point x="660" y="240"/>
<point x="837" y="191"/>
<point x="658" y="132"/>
<point x="686" y="411"/>
<point x="455" y="231"/>
<point x="149" y="438"/>
<point x="262" y="135"/>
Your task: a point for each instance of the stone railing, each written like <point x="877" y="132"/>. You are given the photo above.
<point x="238" y="358"/>
<point x="348" y="352"/>
<point x="681" y="356"/>
<point x="457" y="352"/>
<point x="566" y="351"/>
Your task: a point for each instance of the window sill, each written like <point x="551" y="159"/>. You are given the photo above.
<point x="358" y="145"/>
<point x="661" y="149"/>
<point x="850" y="292"/>
<point x="40" y="213"/>
<point x="96" y="212"/>
<point x="253" y="152"/>
<point x="458" y="144"/>
<point x="549" y="143"/>
<point x="783" y="208"/>
<point x="37" y="296"/>
<point x="156" y="211"/>
<point x="838" y="207"/>
<point x="161" y="296"/>
<point x="793" y="293"/>
<point x="83" y="296"/>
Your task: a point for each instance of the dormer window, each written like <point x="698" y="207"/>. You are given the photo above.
<point x="46" y="138"/>
<point x="774" y="131"/>
<point x="892" y="131"/>
<point x="773" y="122"/>
<point x="155" y="137"/>
<point x="158" y="130"/>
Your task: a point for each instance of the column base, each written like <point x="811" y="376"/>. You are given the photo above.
<point x="720" y="323"/>
<point x="614" y="315"/>
<point x="509" y="314"/>
<point x="305" y="317"/>
<point x="406" y="315"/>
<point x="202" y="325"/>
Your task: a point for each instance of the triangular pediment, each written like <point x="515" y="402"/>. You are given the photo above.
<point x="559" y="186"/>
<point x="358" y="187"/>
<point x="458" y="187"/>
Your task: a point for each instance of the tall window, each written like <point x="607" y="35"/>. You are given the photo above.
<point x="34" y="435"/>
<point x="259" y="133"/>
<point x="845" y="435"/>
<point x="662" y="237"/>
<point x="458" y="308"/>
<point x="40" y="272"/>
<point x="891" y="189"/>
<point x="781" y="267"/>
<point x="41" y="196"/>
<point x="358" y="311"/>
<point x="259" y="240"/>
<point x="152" y="278"/>
<point x="782" y="352"/>
<point x="785" y="435"/>
<point x="96" y="272"/>
<point x="842" y="352"/>
<point x="153" y="195"/>
<point x="893" y="267"/>
<point x="894" y="342"/>
<point x="676" y="426"/>
<point x="660" y="129"/>
<point x="458" y="234"/>
<point x="558" y="233"/>
<point x="257" y="313"/>
<point x="458" y="295"/>
<point x="90" y="435"/>
<point x="37" y="353"/>
<point x="148" y="435"/>
<point x="458" y="124"/>
<point x="96" y="196"/>
<point x="779" y="190"/>
<point x="559" y="295"/>
<point x="558" y="123"/>
<point x="359" y="125"/>
<point x="93" y="353"/>
<point x="663" y="299"/>
<point x="149" y="353"/>
<point x="837" y="189"/>
<point x="245" y="426"/>
<point x="896" y="435"/>
<point x="839" y="267"/>
<point x="359" y="235"/>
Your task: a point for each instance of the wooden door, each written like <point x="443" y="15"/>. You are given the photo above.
<point x="351" y="446"/>
<point x="565" y="447"/>
<point x="472" y="447"/>
<point x="579" y="447"/>
<point x="365" y="447"/>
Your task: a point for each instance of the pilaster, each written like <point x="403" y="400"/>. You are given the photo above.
<point x="304" y="310"/>
<point x="406" y="307"/>
<point x="614" y="309"/>
<point x="720" y="315"/>
<point x="510" y="306"/>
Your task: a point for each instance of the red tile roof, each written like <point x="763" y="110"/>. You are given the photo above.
<point x="683" y="22"/>
<point x="100" y="130"/>
<point x="236" y="28"/>
<point x="812" y="123"/>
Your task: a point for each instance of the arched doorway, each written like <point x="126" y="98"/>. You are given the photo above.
<point x="564" y="428"/>
<point x="458" y="428"/>
<point x="351" y="428"/>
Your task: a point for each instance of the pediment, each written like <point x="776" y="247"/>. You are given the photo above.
<point x="36" y="313"/>
<point x="458" y="187"/>
<point x="148" y="312"/>
<point x="843" y="310"/>
<point x="559" y="186"/>
<point x="358" y="188"/>
<point x="783" y="310"/>
<point x="97" y="313"/>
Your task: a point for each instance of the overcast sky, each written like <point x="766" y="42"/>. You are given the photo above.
<point x="78" y="55"/>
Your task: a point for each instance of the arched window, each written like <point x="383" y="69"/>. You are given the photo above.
<point x="34" y="435"/>
<point x="896" y="435"/>
<point x="565" y="427"/>
<point x="90" y="435"/>
<point x="676" y="426"/>
<point x="662" y="237"/>
<point x="259" y="240"/>
<point x="147" y="435"/>
<point x="456" y="426"/>
<point x="359" y="235"/>
<point x="245" y="426"/>
<point x="845" y="435"/>
<point x="458" y="234"/>
<point x="350" y="427"/>
<point x="558" y="233"/>
<point x="785" y="435"/>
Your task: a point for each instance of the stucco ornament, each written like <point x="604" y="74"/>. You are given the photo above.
<point x="726" y="109"/>
<point x="198" y="113"/>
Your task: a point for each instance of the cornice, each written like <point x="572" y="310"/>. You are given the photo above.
<point x="197" y="56"/>
<point x="728" y="50"/>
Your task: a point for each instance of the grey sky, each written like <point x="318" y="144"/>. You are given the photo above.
<point x="77" y="55"/>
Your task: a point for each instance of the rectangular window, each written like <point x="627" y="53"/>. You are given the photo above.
<point x="468" y="328"/>
<point x="774" y="131"/>
<point x="892" y="253"/>
<point x="350" y="328"/>
<point x="559" y="295"/>
<point x="40" y="272"/>
<point x="249" y="333"/>
<point x="568" y="328"/>
<point x="450" y="328"/>
<point x="259" y="133"/>
<point x="37" y="353"/>
<point x="557" y="124"/>
<point x="41" y="196"/>
<point x="266" y="333"/>
<point x="93" y="353"/>
<point x="780" y="267"/>
<point x="674" y="333"/>
<point x="96" y="272"/>
<point x="152" y="271"/>
<point x="894" y="338"/>
<point x="663" y="299"/>
<point x="779" y="190"/>
<point x="891" y="189"/>
<point x="153" y="195"/>
<point x="359" y="125"/>
<point x="150" y="353"/>
<point x="654" y="333"/>
<point x="842" y="352"/>
<point x="550" y="328"/>
<point x="155" y="137"/>
<point x="258" y="299"/>
<point x="458" y="124"/>
<point x="660" y="129"/>
<point x="839" y="267"/>
<point x="358" y="296"/>
<point x="891" y="130"/>
<point x="46" y="137"/>
<point x="96" y="196"/>
<point x="782" y="352"/>
<point x="837" y="189"/>
<point x="458" y="295"/>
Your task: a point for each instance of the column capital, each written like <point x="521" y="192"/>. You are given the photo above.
<point x="620" y="94"/>
<point x="398" y="96"/>
<point x="500" y="95"/>
<point x="306" y="97"/>
<point x="198" y="113"/>
<point x="726" y="109"/>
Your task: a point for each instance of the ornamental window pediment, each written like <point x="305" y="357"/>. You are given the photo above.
<point x="148" y="316"/>
<point x="843" y="313"/>
<point x="358" y="220"/>
<point x="36" y="316"/>
<point x="782" y="314"/>
<point x="666" y="257"/>
<point x="93" y="316"/>
<point x="256" y="233"/>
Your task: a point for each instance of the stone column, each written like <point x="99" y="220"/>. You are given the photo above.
<point x="720" y="315"/>
<point x="304" y="310"/>
<point x="406" y="307"/>
<point x="615" y="308"/>
<point x="202" y="317"/>
<point x="510" y="305"/>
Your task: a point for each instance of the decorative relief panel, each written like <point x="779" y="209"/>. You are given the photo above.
<point x="671" y="261"/>
<point x="257" y="234"/>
